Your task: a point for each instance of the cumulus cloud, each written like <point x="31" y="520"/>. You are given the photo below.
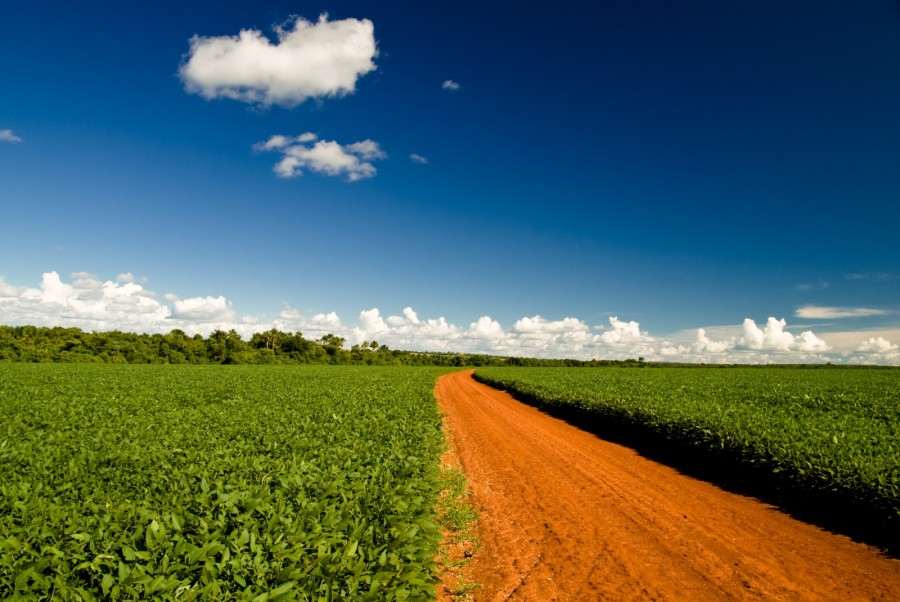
<point x="416" y="158"/>
<point x="409" y="317"/>
<point x="278" y="142"/>
<point x="407" y="331"/>
<point x="704" y="344"/>
<point x="367" y="150"/>
<point x="541" y="326"/>
<point x="486" y="329"/>
<point x="539" y="337"/>
<point x="808" y="341"/>
<point x="329" y="320"/>
<point x="306" y="151"/>
<point x="9" y="136"/>
<point x="877" y="345"/>
<point x="774" y="337"/>
<point x="312" y="327"/>
<point x="622" y="332"/>
<point x="814" y="312"/>
<point x="876" y="350"/>
<point x="371" y="323"/>
<point x="203" y="309"/>
<point x="85" y="280"/>
<point x="85" y="302"/>
<point x="308" y="60"/>
<point x="449" y="84"/>
<point x="8" y="290"/>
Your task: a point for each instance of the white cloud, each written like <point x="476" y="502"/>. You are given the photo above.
<point x="8" y="290"/>
<point x="486" y="329"/>
<point x="368" y="150"/>
<point x="876" y="350"/>
<point x="329" y="320"/>
<point x="84" y="280"/>
<point x="86" y="302"/>
<point x="325" y="156"/>
<point x="9" y="136"/>
<point x="409" y="317"/>
<point x="407" y="331"/>
<point x="570" y="337"/>
<point x="203" y="309"/>
<point x="309" y="60"/>
<point x="622" y="332"/>
<point x="276" y="142"/>
<point x="291" y="320"/>
<point x="705" y="344"/>
<point x="125" y="277"/>
<point x="416" y="158"/>
<point x="371" y="324"/>
<point x="449" y="84"/>
<point x="808" y="341"/>
<point x="541" y="327"/>
<point x="774" y="338"/>
<point x="877" y="345"/>
<point x="814" y="312"/>
<point x="672" y="352"/>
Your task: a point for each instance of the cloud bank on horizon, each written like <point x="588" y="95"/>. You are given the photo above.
<point x="92" y="304"/>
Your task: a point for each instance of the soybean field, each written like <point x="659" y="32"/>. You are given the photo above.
<point x="827" y="430"/>
<point x="218" y="482"/>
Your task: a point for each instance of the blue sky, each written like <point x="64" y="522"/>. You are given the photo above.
<point x="598" y="180"/>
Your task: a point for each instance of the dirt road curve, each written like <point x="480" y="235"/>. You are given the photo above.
<point x="568" y="516"/>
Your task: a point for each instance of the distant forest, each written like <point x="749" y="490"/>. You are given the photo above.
<point x="72" y="345"/>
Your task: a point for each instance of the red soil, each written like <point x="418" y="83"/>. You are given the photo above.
<point x="568" y="516"/>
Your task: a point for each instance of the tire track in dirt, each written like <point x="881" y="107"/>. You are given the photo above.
<point x="568" y="516"/>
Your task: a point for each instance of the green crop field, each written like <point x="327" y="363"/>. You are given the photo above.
<point x="217" y="482"/>
<point x="835" y="430"/>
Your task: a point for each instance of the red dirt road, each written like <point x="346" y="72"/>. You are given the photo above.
<point x="568" y="516"/>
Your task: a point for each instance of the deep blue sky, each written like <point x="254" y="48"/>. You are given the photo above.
<point x="682" y="167"/>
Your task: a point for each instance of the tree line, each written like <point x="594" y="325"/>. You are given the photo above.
<point x="58" y="344"/>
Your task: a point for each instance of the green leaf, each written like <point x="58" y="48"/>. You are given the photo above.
<point x="106" y="583"/>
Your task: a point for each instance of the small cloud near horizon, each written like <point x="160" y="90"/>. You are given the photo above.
<point x="876" y="276"/>
<point x="814" y="312"/>
<point x="416" y="158"/>
<point x="449" y="84"/>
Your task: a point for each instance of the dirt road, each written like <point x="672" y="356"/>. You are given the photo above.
<point x="568" y="516"/>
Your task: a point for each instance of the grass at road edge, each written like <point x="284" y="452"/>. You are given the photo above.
<point x="458" y="519"/>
